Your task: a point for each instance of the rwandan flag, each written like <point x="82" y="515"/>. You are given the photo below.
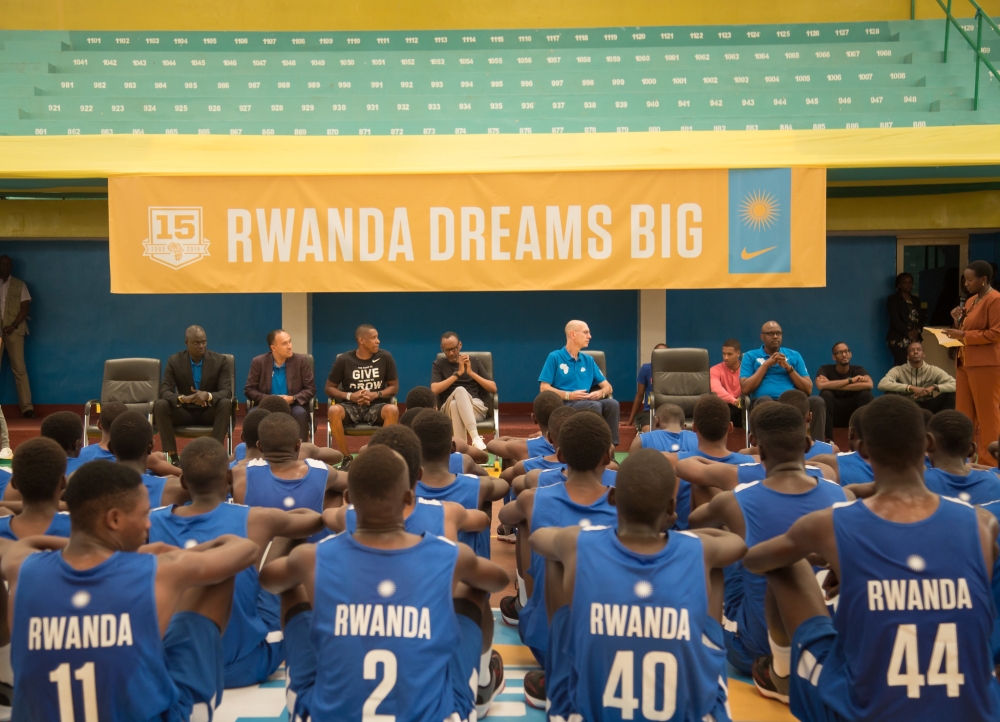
<point x="760" y="221"/>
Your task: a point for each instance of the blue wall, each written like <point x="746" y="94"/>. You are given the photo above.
<point x="519" y="328"/>
<point x="860" y="273"/>
<point x="985" y="247"/>
<point x="76" y="323"/>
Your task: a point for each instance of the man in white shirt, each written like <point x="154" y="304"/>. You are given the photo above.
<point x="15" y="303"/>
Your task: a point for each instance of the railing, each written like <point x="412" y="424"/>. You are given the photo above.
<point x="977" y="46"/>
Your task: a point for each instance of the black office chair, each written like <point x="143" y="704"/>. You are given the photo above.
<point x="491" y="424"/>
<point x="313" y="403"/>
<point x="196" y="430"/>
<point x="680" y="376"/>
<point x="133" y="381"/>
<point x="601" y="362"/>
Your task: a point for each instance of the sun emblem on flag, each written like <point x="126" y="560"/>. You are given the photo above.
<point x="759" y="210"/>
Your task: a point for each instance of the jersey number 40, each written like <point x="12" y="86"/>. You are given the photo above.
<point x="622" y="676"/>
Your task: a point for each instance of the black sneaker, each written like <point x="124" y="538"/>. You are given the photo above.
<point x="506" y="533"/>
<point x="346" y="462"/>
<point x="487" y="693"/>
<point x="534" y="689"/>
<point x="767" y="682"/>
<point x="6" y="701"/>
<point x="510" y="610"/>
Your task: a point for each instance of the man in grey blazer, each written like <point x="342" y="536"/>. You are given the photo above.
<point x="197" y="389"/>
<point x="283" y="373"/>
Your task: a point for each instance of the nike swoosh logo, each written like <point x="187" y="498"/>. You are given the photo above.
<point x="747" y="256"/>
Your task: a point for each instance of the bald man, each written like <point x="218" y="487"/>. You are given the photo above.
<point x="197" y="390"/>
<point x="769" y="371"/>
<point x="577" y="380"/>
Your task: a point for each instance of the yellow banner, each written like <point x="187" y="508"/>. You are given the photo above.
<point x="468" y="232"/>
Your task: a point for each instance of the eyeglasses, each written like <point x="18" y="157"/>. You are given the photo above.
<point x="770" y="333"/>
<point x="449" y="350"/>
<point x="841" y="352"/>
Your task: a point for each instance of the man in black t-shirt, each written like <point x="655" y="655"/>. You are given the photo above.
<point x="463" y="387"/>
<point x="362" y="382"/>
<point x="843" y="387"/>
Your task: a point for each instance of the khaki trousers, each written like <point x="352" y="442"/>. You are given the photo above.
<point x="13" y="344"/>
<point x="464" y="411"/>
<point x="978" y="397"/>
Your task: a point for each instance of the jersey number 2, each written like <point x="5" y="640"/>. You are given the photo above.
<point x="381" y="691"/>
<point x="85" y="675"/>
<point x="621" y="675"/>
<point x="944" y="653"/>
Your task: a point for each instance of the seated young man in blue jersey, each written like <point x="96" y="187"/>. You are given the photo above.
<point x="951" y="446"/>
<point x="394" y="617"/>
<point x="157" y="651"/>
<point x="668" y="433"/>
<point x="512" y="449"/>
<point x="252" y="651"/>
<point x="703" y="472"/>
<point x="759" y="511"/>
<point x="39" y="476"/>
<point x="132" y="442"/>
<point x="446" y="518"/>
<point x="421" y="397"/>
<point x="158" y="463"/>
<point x="281" y="480"/>
<point x="585" y="449"/>
<point x="549" y="461"/>
<point x="852" y="468"/>
<point x="308" y="450"/>
<point x="798" y="399"/>
<point x="66" y="429"/>
<point x="712" y="424"/>
<point x="911" y="637"/>
<point x="458" y="462"/>
<point x="624" y="603"/>
<point x="250" y="436"/>
<point x="434" y="431"/>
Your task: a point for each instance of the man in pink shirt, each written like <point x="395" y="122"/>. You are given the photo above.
<point x="725" y="379"/>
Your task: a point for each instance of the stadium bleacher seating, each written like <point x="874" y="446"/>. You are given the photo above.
<point x="767" y="77"/>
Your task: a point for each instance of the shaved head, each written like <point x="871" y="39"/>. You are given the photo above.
<point x="770" y="335"/>
<point x="191" y="331"/>
<point x="770" y="326"/>
<point x="575" y="326"/>
<point x="577" y="335"/>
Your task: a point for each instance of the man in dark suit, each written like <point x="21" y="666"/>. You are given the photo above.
<point x="285" y="374"/>
<point x="197" y="389"/>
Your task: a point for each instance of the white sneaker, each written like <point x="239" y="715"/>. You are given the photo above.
<point x="478" y="442"/>
<point x="6" y="453"/>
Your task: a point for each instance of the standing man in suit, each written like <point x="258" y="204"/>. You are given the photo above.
<point x="283" y="373"/>
<point x="15" y="304"/>
<point x="197" y="389"/>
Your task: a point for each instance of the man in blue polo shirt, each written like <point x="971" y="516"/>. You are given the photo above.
<point x="769" y="371"/>
<point x="572" y="375"/>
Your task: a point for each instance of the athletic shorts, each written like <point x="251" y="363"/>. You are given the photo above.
<point x="194" y="656"/>
<point x="301" y="663"/>
<point x="355" y="414"/>
<point x="641" y="419"/>
<point x="259" y="664"/>
<point x="811" y="675"/>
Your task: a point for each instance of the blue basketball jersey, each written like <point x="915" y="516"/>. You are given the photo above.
<point x="539" y="446"/>
<point x="307" y="492"/>
<point x="427" y="516"/>
<point x="73" y="463"/>
<point x="154" y="485"/>
<point x="384" y="625"/>
<point x="539" y="462"/>
<point x="672" y="441"/>
<point x="558" y="476"/>
<point x="240" y="452"/>
<point x="464" y="491"/>
<point x="5" y="475"/>
<point x="854" y="469"/>
<point x="914" y="620"/>
<point x="58" y="527"/>
<point x="89" y="635"/>
<point x="976" y="487"/>
<point x="245" y="630"/>
<point x="684" y="487"/>
<point x="554" y="507"/>
<point x="754" y="471"/>
<point x="819" y="447"/>
<point x="94" y="451"/>
<point x="766" y="514"/>
<point x="642" y="620"/>
<point x="456" y="463"/>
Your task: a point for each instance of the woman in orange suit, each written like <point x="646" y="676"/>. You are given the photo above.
<point x="977" y="324"/>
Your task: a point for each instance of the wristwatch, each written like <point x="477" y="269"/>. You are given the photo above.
<point x="209" y="397"/>
<point x="455" y="374"/>
<point x="348" y="396"/>
<point x="566" y="395"/>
